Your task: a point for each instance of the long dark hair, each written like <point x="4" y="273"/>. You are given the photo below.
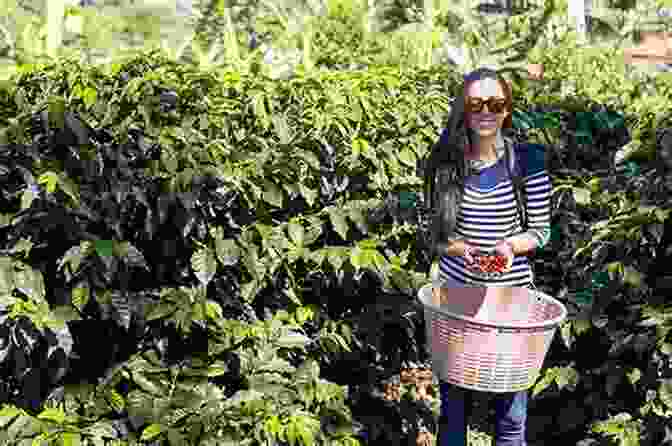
<point x="446" y="167"/>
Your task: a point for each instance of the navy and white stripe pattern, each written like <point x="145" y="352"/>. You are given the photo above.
<point x="488" y="214"/>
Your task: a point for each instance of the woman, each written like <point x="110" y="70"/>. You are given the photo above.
<point x="469" y="186"/>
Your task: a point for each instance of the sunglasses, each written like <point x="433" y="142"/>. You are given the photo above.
<point x="495" y="105"/>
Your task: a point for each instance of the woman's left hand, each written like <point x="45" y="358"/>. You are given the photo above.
<point x="535" y="71"/>
<point x="503" y="248"/>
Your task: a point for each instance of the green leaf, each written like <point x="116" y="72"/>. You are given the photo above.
<point x="69" y="188"/>
<point x="249" y="290"/>
<point x="346" y="331"/>
<point x="273" y="426"/>
<point x="378" y="259"/>
<point x="269" y="383"/>
<point x="338" y="220"/>
<point x="310" y="195"/>
<point x="74" y="257"/>
<point x="213" y="310"/>
<point x="566" y="334"/>
<point x="50" y="180"/>
<point x="151" y="431"/>
<point x="566" y="376"/>
<point x="175" y="438"/>
<point x="581" y="196"/>
<point x="227" y="251"/>
<point x="7" y="414"/>
<point x="407" y="156"/>
<point x="204" y="265"/>
<point x="198" y="311"/>
<point x="116" y="400"/>
<point x="634" y="376"/>
<point x="169" y="161"/>
<point x="337" y="257"/>
<point x="296" y="233"/>
<point x="304" y="314"/>
<point x="259" y="108"/>
<point x="665" y="393"/>
<point x="70" y="439"/>
<point x="19" y="426"/>
<point x="217" y="369"/>
<point x="53" y="415"/>
<point x="30" y="281"/>
<point x="310" y="158"/>
<point x="161" y="310"/>
<point x="615" y="268"/>
<point x="319" y="256"/>
<point x="20" y="98"/>
<point x="632" y="277"/>
<point x="146" y="384"/>
<point x="313" y="231"/>
<point x="89" y="96"/>
<point x="358" y="218"/>
<point x="281" y="128"/>
<point x="273" y="195"/>
<point x="80" y="297"/>
<point x="27" y="198"/>
<point x="581" y="326"/>
<point x="36" y="441"/>
<point x="291" y="433"/>
<point x="360" y="258"/>
<point x="104" y="248"/>
<point x="544" y="382"/>
<point x="56" y="112"/>
<point x="294" y="340"/>
<point x="61" y="314"/>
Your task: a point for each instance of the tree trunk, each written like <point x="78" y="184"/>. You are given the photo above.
<point x="577" y="14"/>
<point x="55" y="17"/>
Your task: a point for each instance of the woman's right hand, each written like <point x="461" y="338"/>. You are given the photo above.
<point x="470" y="253"/>
<point x="462" y="248"/>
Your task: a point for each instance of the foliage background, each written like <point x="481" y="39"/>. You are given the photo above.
<point x="233" y="228"/>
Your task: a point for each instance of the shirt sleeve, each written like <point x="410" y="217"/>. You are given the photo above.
<point x="538" y="188"/>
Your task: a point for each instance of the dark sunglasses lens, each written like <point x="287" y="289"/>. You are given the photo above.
<point x="475" y="105"/>
<point x="497" y="106"/>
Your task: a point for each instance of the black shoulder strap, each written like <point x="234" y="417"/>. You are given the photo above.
<point x="517" y="182"/>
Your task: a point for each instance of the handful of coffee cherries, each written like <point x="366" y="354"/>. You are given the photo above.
<point x="489" y="264"/>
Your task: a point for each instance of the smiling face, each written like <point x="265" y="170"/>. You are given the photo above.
<point x="490" y="118"/>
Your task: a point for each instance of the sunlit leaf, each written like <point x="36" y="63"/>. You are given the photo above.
<point x="281" y="127"/>
<point x="338" y="220"/>
<point x="547" y="379"/>
<point x="70" y="439"/>
<point x="213" y="310"/>
<point x="54" y="415"/>
<point x="634" y="376"/>
<point x="204" y="265"/>
<point x="581" y="196"/>
<point x="273" y="195"/>
<point x="665" y="393"/>
<point x="296" y="233"/>
<point x="227" y="251"/>
<point x="151" y="431"/>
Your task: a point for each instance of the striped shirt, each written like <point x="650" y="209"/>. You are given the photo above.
<point x="489" y="213"/>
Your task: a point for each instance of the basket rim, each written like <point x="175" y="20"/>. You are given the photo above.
<point x="424" y="294"/>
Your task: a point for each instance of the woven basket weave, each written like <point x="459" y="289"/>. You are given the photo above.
<point x="495" y="345"/>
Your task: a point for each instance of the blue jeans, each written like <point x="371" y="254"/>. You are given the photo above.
<point x="510" y="417"/>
